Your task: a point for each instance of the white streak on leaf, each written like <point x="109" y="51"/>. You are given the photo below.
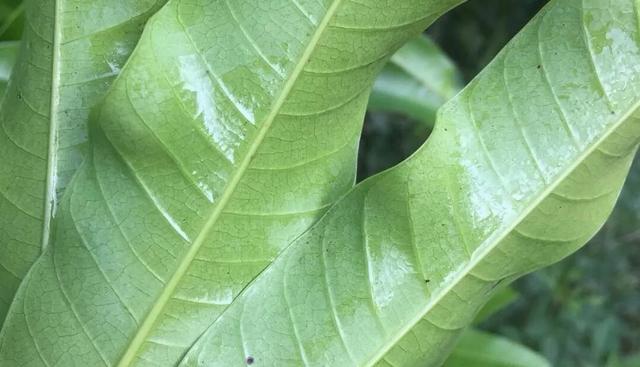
<point x="195" y="78"/>
<point x="391" y="268"/>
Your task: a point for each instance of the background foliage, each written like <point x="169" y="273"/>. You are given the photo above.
<point x="583" y="311"/>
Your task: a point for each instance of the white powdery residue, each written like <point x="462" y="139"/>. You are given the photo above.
<point x="204" y="187"/>
<point x="176" y="227"/>
<point x="390" y="269"/>
<point x="54" y="189"/>
<point x="219" y="297"/>
<point x="206" y="190"/>
<point x="452" y="276"/>
<point x="195" y="79"/>
<point x="115" y="68"/>
<point x="244" y="110"/>
<point x="119" y="56"/>
<point x="623" y="50"/>
<point x="617" y="68"/>
<point x="122" y="49"/>
<point x="484" y="205"/>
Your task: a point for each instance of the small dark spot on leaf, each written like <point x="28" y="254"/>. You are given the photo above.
<point x="250" y="360"/>
<point x="613" y="112"/>
<point x="20" y="95"/>
<point x="539" y="66"/>
<point x="427" y="281"/>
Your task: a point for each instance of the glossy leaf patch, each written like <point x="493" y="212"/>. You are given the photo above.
<point x="70" y="54"/>
<point x="522" y="168"/>
<point x="8" y="55"/>
<point x="207" y="158"/>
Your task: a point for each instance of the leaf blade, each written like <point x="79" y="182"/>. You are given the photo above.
<point x="61" y="72"/>
<point x="417" y="81"/>
<point x="483" y="349"/>
<point x="8" y="55"/>
<point x="167" y="146"/>
<point x="451" y="204"/>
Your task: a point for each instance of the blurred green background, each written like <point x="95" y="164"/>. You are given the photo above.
<point x="583" y="311"/>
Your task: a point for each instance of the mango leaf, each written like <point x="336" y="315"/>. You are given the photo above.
<point x="418" y="79"/>
<point x="627" y="361"/>
<point x="480" y="349"/>
<point x="500" y="299"/>
<point x="8" y="55"/>
<point x="522" y="168"/>
<point x="11" y="19"/>
<point x="70" y="54"/>
<point x="231" y="129"/>
<point x="625" y="220"/>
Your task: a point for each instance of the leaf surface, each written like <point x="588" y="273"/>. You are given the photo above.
<point x="500" y="299"/>
<point x="70" y="53"/>
<point x="418" y="79"/>
<point x="480" y="349"/>
<point x="8" y="55"/>
<point x="11" y="19"/>
<point x="522" y="168"/>
<point x="208" y="157"/>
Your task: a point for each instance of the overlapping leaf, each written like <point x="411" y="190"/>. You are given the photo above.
<point x="418" y="79"/>
<point x="480" y="349"/>
<point x="70" y="53"/>
<point x="11" y="19"/>
<point x="231" y="129"/>
<point x="522" y="169"/>
<point x="8" y="55"/>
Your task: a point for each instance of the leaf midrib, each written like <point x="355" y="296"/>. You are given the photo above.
<point x="495" y="240"/>
<point x="145" y="328"/>
<point x="52" y="154"/>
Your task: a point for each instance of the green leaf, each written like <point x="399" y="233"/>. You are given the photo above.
<point x="71" y="52"/>
<point x="500" y="299"/>
<point x="625" y="220"/>
<point x="425" y="61"/>
<point x="8" y="55"/>
<point x="480" y="349"/>
<point x="522" y="168"/>
<point x="629" y="361"/>
<point x="417" y="81"/>
<point x="231" y="129"/>
<point x="11" y="20"/>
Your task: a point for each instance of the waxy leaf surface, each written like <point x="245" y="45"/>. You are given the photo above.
<point x="231" y="129"/>
<point x="70" y="53"/>
<point x="522" y="168"/>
